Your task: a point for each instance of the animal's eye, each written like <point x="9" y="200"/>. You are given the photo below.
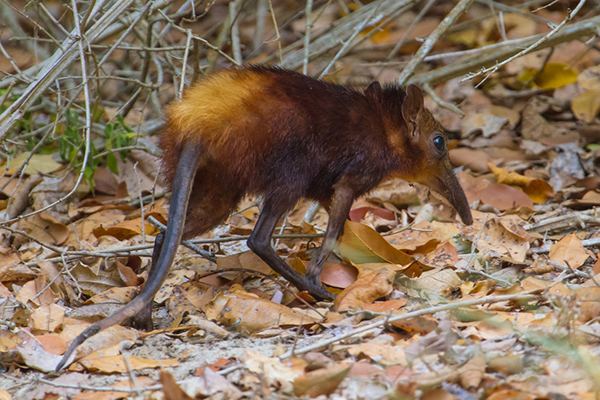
<point x="439" y="143"/>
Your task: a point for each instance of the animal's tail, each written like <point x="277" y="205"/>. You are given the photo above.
<point x="182" y="187"/>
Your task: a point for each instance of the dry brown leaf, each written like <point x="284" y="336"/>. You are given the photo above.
<point x="503" y="197"/>
<point x="45" y="228"/>
<point x="440" y="281"/>
<point x="52" y="343"/>
<point x="590" y="303"/>
<point x="362" y="244"/>
<point x="496" y="238"/>
<point x="116" y="295"/>
<point x="504" y="394"/>
<point x="33" y="353"/>
<point x="42" y="163"/>
<point x="116" y="364"/>
<point x="339" y="275"/>
<point x="473" y="371"/>
<point x="322" y="381"/>
<point x="475" y="160"/>
<point x="126" y="229"/>
<point x="37" y="292"/>
<point x="383" y="354"/>
<point x="47" y="318"/>
<point x="537" y="189"/>
<point x="587" y="105"/>
<point x="418" y="236"/>
<point x="244" y="312"/>
<point x="421" y="325"/>
<point x="443" y="256"/>
<point x="369" y="287"/>
<point x="570" y="251"/>
<point x="174" y="279"/>
<point x="246" y="260"/>
<point x="109" y="337"/>
<point x="85" y="227"/>
<point x="488" y="124"/>
<point x="273" y="370"/>
<point x="386" y="306"/>
<point x="171" y="390"/>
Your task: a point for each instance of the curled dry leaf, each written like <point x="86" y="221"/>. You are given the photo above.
<point x="322" y="381"/>
<point x="127" y="229"/>
<point x="244" y="312"/>
<point x="570" y="251"/>
<point x="370" y="286"/>
<point x="537" y="189"/>
<point x="45" y="228"/>
<point x="362" y="244"/>
<point x="33" y="353"/>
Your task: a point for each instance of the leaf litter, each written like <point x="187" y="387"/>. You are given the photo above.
<point x="426" y="308"/>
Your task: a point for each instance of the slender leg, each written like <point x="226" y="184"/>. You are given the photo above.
<point x="260" y="243"/>
<point x="338" y="213"/>
<point x="143" y="319"/>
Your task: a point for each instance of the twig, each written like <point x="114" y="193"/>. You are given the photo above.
<point x="345" y="45"/>
<point x="489" y="55"/>
<point x="413" y="314"/>
<point x="186" y="243"/>
<point x="535" y="45"/>
<point x="432" y="39"/>
<point x="307" y="14"/>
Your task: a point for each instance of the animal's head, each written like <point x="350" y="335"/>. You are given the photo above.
<point x="420" y="142"/>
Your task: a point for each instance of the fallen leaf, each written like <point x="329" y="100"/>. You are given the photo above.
<point x="586" y="105"/>
<point x="504" y="197"/>
<point x="47" y="317"/>
<point x="362" y="244"/>
<point x="116" y="364"/>
<point x="33" y="353"/>
<point x="570" y="251"/>
<point x="383" y="354"/>
<point x="322" y="381"/>
<point x="553" y="76"/>
<point x="244" y="312"/>
<point x="369" y="287"/>
<point x="537" y="189"/>
<point x="52" y="343"/>
<point x="42" y="163"/>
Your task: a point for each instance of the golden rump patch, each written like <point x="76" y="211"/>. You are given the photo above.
<point x="209" y="108"/>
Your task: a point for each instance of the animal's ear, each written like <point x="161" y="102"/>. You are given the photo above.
<point x="373" y="88"/>
<point x="412" y="106"/>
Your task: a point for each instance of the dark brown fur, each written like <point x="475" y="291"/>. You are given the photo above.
<point x="285" y="136"/>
